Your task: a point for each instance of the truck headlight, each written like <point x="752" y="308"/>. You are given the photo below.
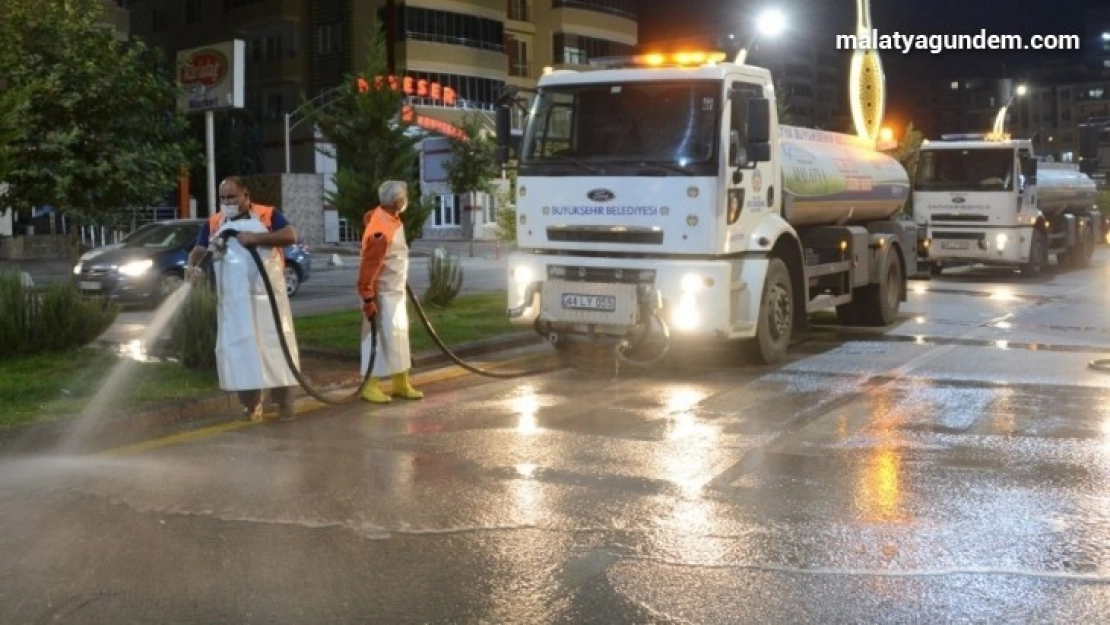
<point x="685" y="316"/>
<point x="136" y="267"/>
<point x="1000" y="241"/>
<point x="77" y="269"/>
<point x="523" y="275"/>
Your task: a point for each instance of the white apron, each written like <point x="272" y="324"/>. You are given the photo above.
<point x="393" y="317"/>
<point x="248" y="350"/>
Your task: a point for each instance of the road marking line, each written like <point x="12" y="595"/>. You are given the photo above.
<point x="175" y="439"/>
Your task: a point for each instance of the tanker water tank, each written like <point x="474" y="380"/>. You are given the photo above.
<point x="832" y="178"/>
<point x="1062" y="187"/>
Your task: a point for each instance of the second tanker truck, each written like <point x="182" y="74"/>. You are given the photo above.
<point x="660" y="201"/>
<point x="991" y="201"/>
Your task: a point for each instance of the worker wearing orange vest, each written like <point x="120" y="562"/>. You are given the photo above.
<point x="382" y="274"/>
<point x="249" y="357"/>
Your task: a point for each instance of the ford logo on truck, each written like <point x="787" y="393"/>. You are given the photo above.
<point x="958" y="200"/>
<point x="601" y="195"/>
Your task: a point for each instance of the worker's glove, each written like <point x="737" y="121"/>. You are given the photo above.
<point x="370" y="309"/>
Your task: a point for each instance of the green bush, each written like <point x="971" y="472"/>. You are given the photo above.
<point x="445" y="278"/>
<point x="55" y="319"/>
<point x="194" y="330"/>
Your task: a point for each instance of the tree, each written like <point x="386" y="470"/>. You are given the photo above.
<point x="101" y="130"/>
<point x="473" y="161"/>
<point x="369" y="141"/>
<point x="906" y="153"/>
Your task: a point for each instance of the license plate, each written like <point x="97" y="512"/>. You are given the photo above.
<point x="89" y="286"/>
<point x="579" y="301"/>
<point x="954" y="245"/>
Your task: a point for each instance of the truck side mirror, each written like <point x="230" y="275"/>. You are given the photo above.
<point x="759" y="130"/>
<point x="1029" y="170"/>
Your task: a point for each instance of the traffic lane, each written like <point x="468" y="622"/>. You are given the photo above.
<point x="777" y="492"/>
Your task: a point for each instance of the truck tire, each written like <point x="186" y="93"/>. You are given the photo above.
<point x="1038" y="254"/>
<point x="776" y="315"/>
<point x="879" y="303"/>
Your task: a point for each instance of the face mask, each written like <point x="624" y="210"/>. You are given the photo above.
<point x="230" y="210"/>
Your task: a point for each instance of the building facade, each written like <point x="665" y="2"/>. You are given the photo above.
<point x="302" y="49"/>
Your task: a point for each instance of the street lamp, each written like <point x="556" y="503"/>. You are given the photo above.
<point x="1000" y="119"/>
<point x="769" y="23"/>
<point x="320" y="101"/>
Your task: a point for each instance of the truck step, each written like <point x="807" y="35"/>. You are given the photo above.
<point x="826" y="301"/>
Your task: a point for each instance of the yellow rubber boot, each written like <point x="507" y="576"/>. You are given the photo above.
<point x="372" y="393"/>
<point x="402" y="388"/>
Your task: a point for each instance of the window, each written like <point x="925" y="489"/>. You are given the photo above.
<point x="275" y="107"/>
<point x="273" y="48"/>
<point x="447" y="212"/>
<point x="518" y="10"/>
<point x="452" y="28"/>
<point x="573" y="49"/>
<point x="517" y="51"/>
<point x="158" y="21"/>
<point x="329" y="38"/>
<point x="622" y="8"/>
<point x="192" y="11"/>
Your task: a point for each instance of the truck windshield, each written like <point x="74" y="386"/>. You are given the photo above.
<point x="987" y="169"/>
<point x="616" y="129"/>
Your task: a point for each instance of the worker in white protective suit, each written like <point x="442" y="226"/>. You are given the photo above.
<point x="249" y="356"/>
<point x="382" y="274"/>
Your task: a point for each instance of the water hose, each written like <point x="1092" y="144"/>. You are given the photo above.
<point x="305" y="384"/>
<point x="504" y="375"/>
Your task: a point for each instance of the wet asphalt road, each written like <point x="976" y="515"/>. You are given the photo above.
<point x="951" y="469"/>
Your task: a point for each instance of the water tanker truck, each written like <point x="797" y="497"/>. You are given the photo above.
<point x="991" y="201"/>
<point x="661" y="203"/>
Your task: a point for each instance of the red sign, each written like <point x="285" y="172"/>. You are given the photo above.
<point x="414" y="87"/>
<point x="207" y="67"/>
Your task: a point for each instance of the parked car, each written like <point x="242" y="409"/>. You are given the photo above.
<point x="149" y="264"/>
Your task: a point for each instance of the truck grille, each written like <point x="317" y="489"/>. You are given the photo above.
<point x="604" y="234"/>
<point x="611" y="275"/>
<point x="959" y="217"/>
<point x="968" y="236"/>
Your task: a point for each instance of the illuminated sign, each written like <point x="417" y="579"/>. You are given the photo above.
<point x="413" y="87"/>
<point x="211" y="77"/>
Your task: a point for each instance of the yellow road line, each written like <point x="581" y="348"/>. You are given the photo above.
<point x="175" y="439"/>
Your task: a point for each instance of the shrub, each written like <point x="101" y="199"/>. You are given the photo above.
<point x="55" y="319"/>
<point x="445" y="278"/>
<point x="194" y="331"/>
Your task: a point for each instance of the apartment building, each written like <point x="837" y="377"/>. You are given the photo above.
<point x="303" y="48"/>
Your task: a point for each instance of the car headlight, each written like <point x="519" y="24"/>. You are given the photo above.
<point x="77" y="269"/>
<point x="136" y="267"/>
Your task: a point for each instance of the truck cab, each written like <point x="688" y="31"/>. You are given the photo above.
<point x="990" y="200"/>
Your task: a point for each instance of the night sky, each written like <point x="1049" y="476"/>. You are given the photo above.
<point x="668" y="23"/>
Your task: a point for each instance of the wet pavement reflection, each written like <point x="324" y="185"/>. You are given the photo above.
<point x="872" y="477"/>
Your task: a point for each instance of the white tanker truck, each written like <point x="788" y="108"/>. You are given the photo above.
<point x="659" y="203"/>
<point x="990" y="201"/>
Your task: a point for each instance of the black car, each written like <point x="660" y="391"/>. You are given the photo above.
<point x="149" y="263"/>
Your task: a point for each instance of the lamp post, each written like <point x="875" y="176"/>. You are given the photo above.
<point x="320" y="101"/>
<point x="769" y="23"/>
<point x="1000" y="118"/>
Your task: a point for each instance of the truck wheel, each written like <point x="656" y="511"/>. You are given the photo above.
<point x="776" y="315"/>
<point x="1038" y="254"/>
<point x="880" y="302"/>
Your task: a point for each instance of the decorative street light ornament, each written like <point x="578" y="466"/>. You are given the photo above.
<point x="866" y="83"/>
